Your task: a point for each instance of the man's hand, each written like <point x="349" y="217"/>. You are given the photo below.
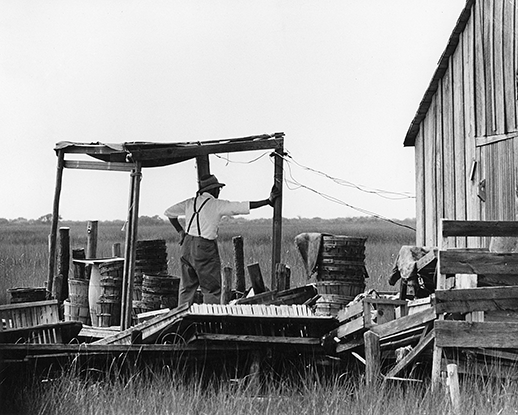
<point x="274" y="194"/>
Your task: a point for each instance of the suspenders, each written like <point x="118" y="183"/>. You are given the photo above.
<point x="197" y="215"/>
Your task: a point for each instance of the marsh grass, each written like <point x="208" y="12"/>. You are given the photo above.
<point x="24" y="247"/>
<point x="161" y="391"/>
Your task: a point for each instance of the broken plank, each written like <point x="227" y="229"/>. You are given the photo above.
<point x="352" y="326"/>
<point x="410" y="357"/>
<point x="404" y="323"/>
<point x="497" y="335"/>
<point x="348" y="345"/>
<point x="350" y="311"/>
<point x="147" y="328"/>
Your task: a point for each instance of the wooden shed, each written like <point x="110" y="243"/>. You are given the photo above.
<point x="465" y="130"/>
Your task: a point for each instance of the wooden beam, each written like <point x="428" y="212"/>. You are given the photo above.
<point x="476" y="262"/>
<point x="98" y="165"/>
<point x="55" y="221"/>
<point x="247" y="338"/>
<point x="476" y="299"/>
<point x="491" y="139"/>
<point x="202" y="166"/>
<point x="173" y="153"/>
<point x="479" y="228"/>
<point x="494" y="334"/>
<point x="256" y="278"/>
<point x="372" y="358"/>
<point x="130" y="248"/>
<point x="277" y="209"/>
<point x="404" y="323"/>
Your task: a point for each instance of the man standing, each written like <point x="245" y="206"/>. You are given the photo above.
<point x="200" y="260"/>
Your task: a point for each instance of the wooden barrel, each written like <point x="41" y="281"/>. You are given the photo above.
<point x="160" y="291"/>
<point x="342" y="258"/>
<point x="109" y="312"/>
<point x="76" y="312"/>
<point x="78" y="303"/>
<point x="342" y="288"/>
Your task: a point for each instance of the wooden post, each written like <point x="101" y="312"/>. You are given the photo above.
<point x="55" y="221"/>
<point x="203" y="166"/>
<point x="130" y="247"/>
<point x="372" y="358"/>
<point x="453" y="386"/>
<point x="60" y="286"/>
<point x="91" y="239"/>
<point x="282" y="278"/>
<point x="436" y="366"/>
<point x="226" y="285"/>
<point x="256" y="278"/>
<point x="277" y="209"/>
<point x="116" y="250"/>
<point x="239" y="263"/>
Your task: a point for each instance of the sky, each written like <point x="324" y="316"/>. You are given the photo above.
<point x="341" y="78"/>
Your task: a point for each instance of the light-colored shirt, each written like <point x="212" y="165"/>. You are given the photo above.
<point x="209" y="216"/>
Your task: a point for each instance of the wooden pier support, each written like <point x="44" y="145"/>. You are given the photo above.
<point x="256" y="277"/>
<point x="226" y="285"/>
<point x="277" y="208"/>
<point x="281" y="281"/>
<point x="60" y="285"/>
<point x="239" y="264"/>
<point x="372" y="358"/>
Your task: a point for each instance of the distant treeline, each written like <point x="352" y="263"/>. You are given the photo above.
<point x="159" y="221"/>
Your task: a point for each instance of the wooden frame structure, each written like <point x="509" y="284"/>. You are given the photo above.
<point x="132" y="158"/>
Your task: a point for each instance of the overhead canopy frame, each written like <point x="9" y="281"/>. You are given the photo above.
<point x="132" y="157"/>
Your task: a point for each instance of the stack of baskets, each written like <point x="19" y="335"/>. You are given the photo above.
<point x="153" y="288"/>
<point x="109" y="303"/>
<point x="341" y="272"/>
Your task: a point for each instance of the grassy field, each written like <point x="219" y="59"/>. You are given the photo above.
<point x="24" y="247"/>
<point x="23" y="263"/>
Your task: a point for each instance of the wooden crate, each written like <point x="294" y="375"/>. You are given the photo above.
<point x="22" y="315"/>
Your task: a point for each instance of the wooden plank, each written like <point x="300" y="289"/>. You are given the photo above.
<point x="372" y="358"/>
<point x="429" y="260"/>
<point x="494" y="334"/>
<point x="479" y="228"/>
<point x="438" y="213"/>
<point x="448" y="144"/>
<point x="147" y="328"/>
<point x="420" y="190"/>
<point x="508" y="39"/>
<point x="352" y="326"/>
<point x="34" y="304"/>
<point x="247" y="338"/>
<point x="488" y="16"/>
<point x="352" y="310"/>
<point x="476" y="299"/>
<point x="404" y="323"/>
<point x="98" y="165"/>
<point x="498" y="51"/>
<point x="468" y="50"/>
<point x="480" y="73"/>
<point x="427" y="134"/>
<point x="414" y="353"/>
<point x="256" y="277"/>
<point x="467" y="262"/>
<point x="171" y="154"/>
<point x="496" y="138"/>
<point x="349" y="345"/>
<point x="459" y="145"/>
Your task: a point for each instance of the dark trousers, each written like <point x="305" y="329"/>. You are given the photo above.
<point x="201" y="267"/>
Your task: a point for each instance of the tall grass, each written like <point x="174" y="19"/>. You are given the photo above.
<point x="165" y="392"/>
<point x="24" y="247"/>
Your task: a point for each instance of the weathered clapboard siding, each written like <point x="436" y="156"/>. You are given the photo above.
<point x="465" y="130"/>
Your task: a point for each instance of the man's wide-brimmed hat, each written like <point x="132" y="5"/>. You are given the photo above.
<point x="208" y="182"/>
